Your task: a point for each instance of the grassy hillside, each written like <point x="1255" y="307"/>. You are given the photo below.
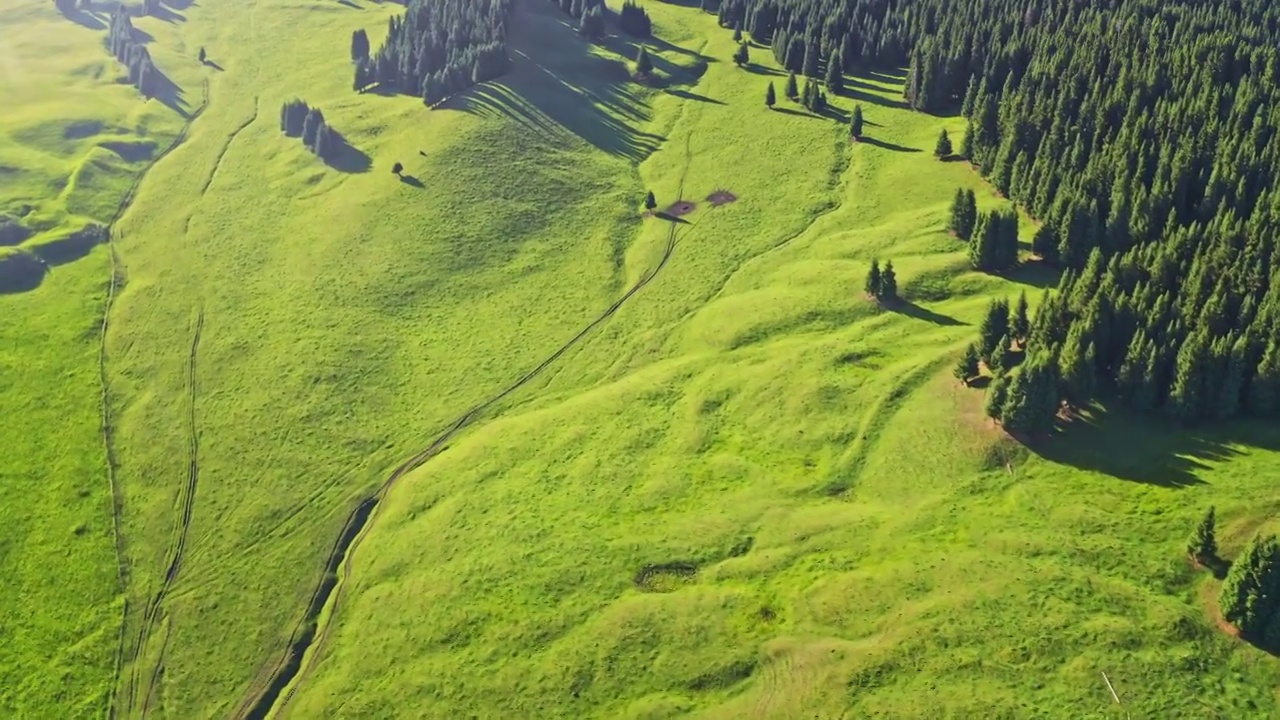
<point x="750" y="491"/>
<point x="72" y="142"/>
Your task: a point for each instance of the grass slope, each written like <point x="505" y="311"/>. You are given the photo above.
<point x="72" y="141"/>
<point x="750" y="492"/>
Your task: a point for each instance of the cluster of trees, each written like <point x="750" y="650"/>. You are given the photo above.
<point x="634" y="21"/>
<point x="1250" y="596"/>
<point x="133" y="54"/>
<point x="437" y="48"/>
<point x="1167" y="234"/>
<point x="882" y="284"/>
<point x="993" y="241"/>
<point x="590" y="16"/>
<point x="297" y="119"/>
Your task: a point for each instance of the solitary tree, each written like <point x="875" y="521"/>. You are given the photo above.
<point x="770" y="97"/>
<point x="943" y="148"/>
<point x="650" y="202"/>
<point x="644" y="65"/>
<point x="874" y="280"/>
<point x="968" y="365"/>
<point x="1203" y="543"/>
<point x="742" y="55"/>
<point x="793" y="90"/>
<point x="855" y="123"/>
<point x="397" y="168"/>
<point x="888" y="283"/>
<point x="203" y="57"/>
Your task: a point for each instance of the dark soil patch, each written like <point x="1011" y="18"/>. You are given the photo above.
<point x="680" y="208"/>
<point x="666" y="577"/>
<point x="721" y="197"/>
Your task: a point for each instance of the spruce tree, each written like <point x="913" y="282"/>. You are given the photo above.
<point x="1186" y="397"/>
<point x="644" y="65"/>
<point x="1078" y="367"/>
<point x="203" y="57"/>
<point x="855" y="123"/>
<point x="359" y="46"/>
<point x="737" y="32"/>
<point x="1250" y="590"/>
<point x="650" y="202"/>
<point x="873" y="283"/>
<point x="966" y="143"/>
<point x="1020" y="324"/>
<point x="742" y="56"/>
<point x="1045" y="243"/>
<point x="1202" y="546"/>
<point x="995" y="325"/>
<point x="958" y="216"/>
<point x="1001" y="356"/>
<point x="888" y="283"/>
<point x="1263" y="399"/>
<point x="793" y="89"/>
<point x="770" y="97"/>
<point x="835" y="75"/>
<point x="942" y="149"/>
<point x="997" y="396"/>
<point x="1032" y="401"/>
<point x="968" y="366"/>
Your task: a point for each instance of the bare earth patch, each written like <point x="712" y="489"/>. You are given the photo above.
<point x="680" y="208"/>
<point x="721" y="197"/>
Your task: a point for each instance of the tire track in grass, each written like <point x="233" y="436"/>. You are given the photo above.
<point x="309" y="640"/>
<point x="187" y="499"/>
<point x="118" y="276"/>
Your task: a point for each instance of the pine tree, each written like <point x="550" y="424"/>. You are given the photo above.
<point x="874" y="280"/>
<point x="968" y="365"/>
<point x="855" y="123"/>
<point x="644" y="65"/>
<point x="1020" y="325"/>
<point x="812" y="60"/>
<point x="997" y="396"/>
<point x="1078" y="367"/>
<point x="737" y="32"/>
<point x="888" y="283"/>
<point x="943" y="149"/>
<point x="397" y="168"/>
<point x="650" y="202"/>
<point x="742" y="56"/>
<point x="1186" y="397"/>
<point x="835" y="75"/>
<point x="793" y="89"/>
<point x="1264" y="392"/>
<point x="359" y="46"/>
<point x="1001" y="356"/>
<point x="770" y="97"/>
<point x="1249" y="592"/>
<point x="1045" y="243"/>
<point x="966" y="143"/>
<point x="1032" y="401"/>
<point x="957" y="222"/>
<point x="203" y="57"/>
<point x="995" y="325"/>
<point x="1203" y="544"/>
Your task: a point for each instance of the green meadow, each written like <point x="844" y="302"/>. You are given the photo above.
<point x="678" y="466"/>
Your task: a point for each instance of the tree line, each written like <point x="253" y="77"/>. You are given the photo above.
<point x="436" y="49"/>
<point x="1155" y="181"/>
<point x="299" y="120"/>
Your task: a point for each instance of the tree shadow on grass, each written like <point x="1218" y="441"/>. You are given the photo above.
<point x="180" y="5"/>
<point x="757" y="69"/>
<point x="20" y="272"/>
<point x="1036" y="273"/>
<point x="912" y="310"/>
<point x="557" y="85"/>
<point x="695" y="96"/>
<point x="887" y="145"/>
<point x="86" y="19"/>
<point x="167" y="15"/>
<point x="1147" y="448"/>
<point x="168" y="92"/>
<point x="350" y="4"/>
<point x="671" y="218"/>
<point x="675" y="74"/>
<point x="412" y="181"/>
<point x="347" y="158"/>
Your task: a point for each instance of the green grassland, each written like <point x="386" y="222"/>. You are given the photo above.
<point x="748" y="492"/>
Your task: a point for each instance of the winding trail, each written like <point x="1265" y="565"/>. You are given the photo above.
<point x="187" y="498"/>
<point x="118" y="277"/>
<point x="309" y="640"/>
